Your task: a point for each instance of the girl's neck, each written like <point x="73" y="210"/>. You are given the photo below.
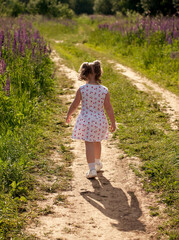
<point x="91" y="79"/>
<point x="92" y="82"/>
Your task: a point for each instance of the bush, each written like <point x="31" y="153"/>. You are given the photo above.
<point x="17" y="8"/>
<point x="154" y="7"/>
<point x="82" y="6"/>
<point x="51" y="8"/>
<point x="103" y="6"/>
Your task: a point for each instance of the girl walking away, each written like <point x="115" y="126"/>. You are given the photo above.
<point x="91" y="124"/>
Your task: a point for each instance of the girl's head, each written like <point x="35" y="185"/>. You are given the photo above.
<point x="93" y="68"/>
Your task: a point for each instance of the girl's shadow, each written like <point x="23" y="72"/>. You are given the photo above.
<point x="113" y="203"/>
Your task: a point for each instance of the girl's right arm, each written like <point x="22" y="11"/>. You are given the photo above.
<point x="109" y="111"/>
<point x="74" y="105"/>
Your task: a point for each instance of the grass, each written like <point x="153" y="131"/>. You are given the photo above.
<point x="53" y="170"/>
<point x="152" y="59"/>
<point x="144" y="130"/>
<point x="15" y="211"/>
<point x="26" y="154"/>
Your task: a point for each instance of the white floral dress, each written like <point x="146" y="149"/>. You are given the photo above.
<point x="91" y="124"/>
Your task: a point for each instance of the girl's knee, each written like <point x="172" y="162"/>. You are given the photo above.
<point x="86" y="142"/>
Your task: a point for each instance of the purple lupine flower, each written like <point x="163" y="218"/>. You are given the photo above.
<point x="2" y="67"/>
<point x="33" y="52"/>
<point x="1" y="38"/>
<point x="49" y="47"/>
<point x="8" y="40"/>
<point x="174" y="55"/>
<point x="36" y="35"/>
<point x="8" y="85"/>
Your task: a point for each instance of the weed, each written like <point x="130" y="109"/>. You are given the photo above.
<point x="46" y="211"/>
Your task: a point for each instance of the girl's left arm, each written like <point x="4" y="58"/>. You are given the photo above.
<point x="74" y="105"/>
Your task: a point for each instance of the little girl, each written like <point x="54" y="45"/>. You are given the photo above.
<point x="91" y="124"/>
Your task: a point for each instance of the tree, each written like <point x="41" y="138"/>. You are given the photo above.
<point x="154" y="7"/>
<point x="51" y="8"/>
<point x="125" y="5"/>
<point x="2" y="7"/>
<point x="176" y="5"/>
<point x="103" y="6"/>
<point x="17" y="8"/>
<point x="82" y="6"/>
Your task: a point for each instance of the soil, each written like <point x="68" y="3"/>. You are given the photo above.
<point x="112" y="206"/>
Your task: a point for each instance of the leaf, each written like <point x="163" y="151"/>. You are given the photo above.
<point x="23" y="199"/>
<point x="13" y="185"/>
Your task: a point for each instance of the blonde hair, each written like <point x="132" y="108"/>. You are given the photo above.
<point x="86" y="69"/>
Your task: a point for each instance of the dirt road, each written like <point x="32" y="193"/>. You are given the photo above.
<point x="112" y="206"/>
<point x="167" y="100"/>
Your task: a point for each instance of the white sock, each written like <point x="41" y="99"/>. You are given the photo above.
<point x="97" y="161"/>
<point x="91" y="166"/>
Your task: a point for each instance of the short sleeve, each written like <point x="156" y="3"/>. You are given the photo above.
<point x="105" y="90"/>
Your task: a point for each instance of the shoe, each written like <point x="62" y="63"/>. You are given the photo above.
<point x="98" y="166"/>
<point x="91" y="174"/>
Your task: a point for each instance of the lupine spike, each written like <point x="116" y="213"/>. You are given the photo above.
<point x="8" y="84"/>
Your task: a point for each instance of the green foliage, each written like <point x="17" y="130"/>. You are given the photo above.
<point x="63" y="8"/>
<point x="17" y="8"/>
<point x="53" y="8"/>
<point x="22" y="114"/>
<point x="82" y="6"/>
<point x="103" y="6"/>
<point x="158" y="7"/>
<point x="10" y="223"/>
<point x="12" y="7"/>
<point x="50" y="8"/>
<point x="126" y="5"/>
<point x="153" y="56"/>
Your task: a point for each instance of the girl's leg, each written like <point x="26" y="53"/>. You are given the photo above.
<point x="97" y="150"/>
<point x="90" y="152"/>
<point x="98" y="163"/>
<point x="90" y="156"/>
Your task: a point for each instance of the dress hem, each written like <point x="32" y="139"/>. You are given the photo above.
<point x="99" y="140"/>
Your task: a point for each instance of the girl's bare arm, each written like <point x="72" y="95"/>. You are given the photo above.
<point x="109" y="111"/>
<point x="74" y="105"/>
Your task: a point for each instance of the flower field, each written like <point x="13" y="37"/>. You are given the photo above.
<point x="148" y="44"/>
<point x="144" y="28"/>
<point x="26" y="80"/>
<point x="27" y="87"/>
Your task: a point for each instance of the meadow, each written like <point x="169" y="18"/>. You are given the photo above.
<point x="144" y="130"/>
<point x="32" y="116"/>
<point x="147" y="44"/>
<point x="28" y="104"/>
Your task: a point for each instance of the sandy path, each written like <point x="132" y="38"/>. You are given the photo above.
<point x="168" y="101"/>
<point x="113" y="206"/>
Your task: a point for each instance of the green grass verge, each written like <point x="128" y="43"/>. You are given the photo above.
<point x="46" y="135"/>
<point x="151" y="61"/>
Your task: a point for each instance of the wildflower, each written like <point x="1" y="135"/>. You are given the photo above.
<point x="8" y="83"/>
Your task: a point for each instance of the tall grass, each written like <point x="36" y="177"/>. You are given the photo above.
<point x="149" y="45"/>
<point x="26" y="81"/>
